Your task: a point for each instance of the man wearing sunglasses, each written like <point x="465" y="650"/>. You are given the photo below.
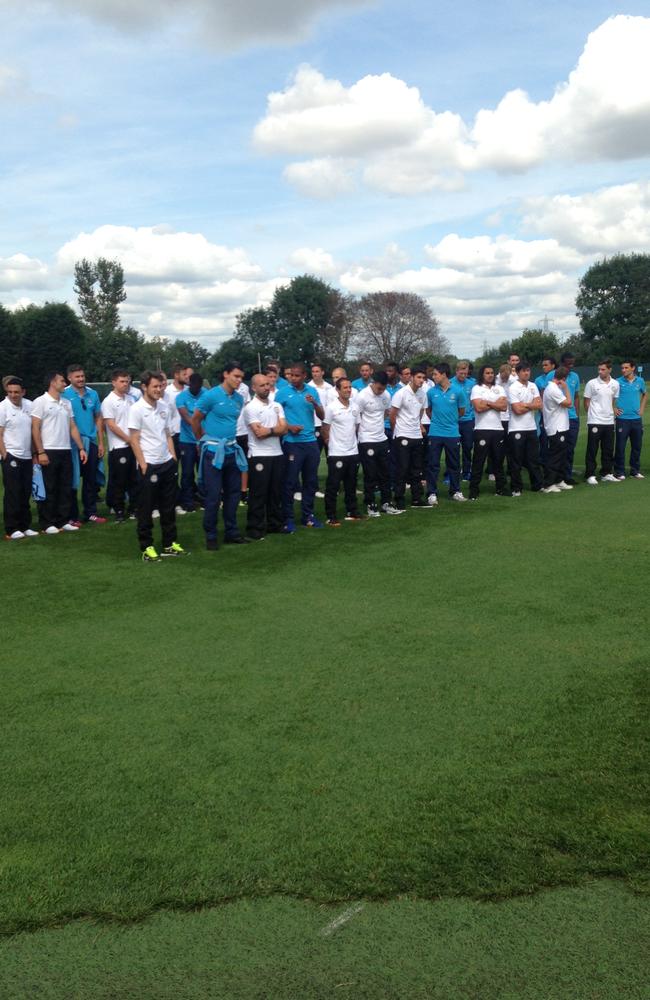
<point x="87" y="412"/>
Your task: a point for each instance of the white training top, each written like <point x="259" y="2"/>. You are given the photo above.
<point x="372" y="415"/>
<point x="267" y="414"/>
<point x="55" y="416"/>
<point x="601" y="396"/>
<point x="504" y="414"/>
<point x="171" y="392"/>
<point x="428" y="384"/>
<point x="556" y="416"/>
<point x="115" y="407"/>
<point x="245" y="394"/>
<point x="17" y="424"/>
<point x="343" y="421"/>
<point x="154" y="424"/>
<point x="326" y="392"/>
<point x="410" y="405"/>
<point x="490" y="420"/>
<point x="520" y="393"/>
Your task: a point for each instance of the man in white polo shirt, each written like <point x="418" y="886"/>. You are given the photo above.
<point x="53" y="426"/>
<point x="489" y="402"/>
<point x="373" y="404"/>
<point x="600" y="397"/>
<point x="407" y="407"/>
<point x="150" y="425"/>
<point x="122" y="468"/>
<point x="180" y="381"/>
<point x="16" y="456"/>
<point x="339" y="430"/>
<point x="557" y="402"/>
<point x="265" y="425"/>
<point x="523" y="446"/>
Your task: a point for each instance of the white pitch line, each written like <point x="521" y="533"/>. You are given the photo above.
<point x="342" y="919"/>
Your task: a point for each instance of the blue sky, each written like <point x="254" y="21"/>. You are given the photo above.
<point x="139" y="133"/>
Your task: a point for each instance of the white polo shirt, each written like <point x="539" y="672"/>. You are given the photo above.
<point x="505" y="414"/>
<point x="520" y="393"/>
<point x="556" y="416"/>
<point x="601" y="396"/>
<point x="410" y="405"/>
<point x="267" y="414"/>
<point x="428" y="384"/>
<point x="16" y="422"/>
<point x="245" y="394"/>
<point x="154" y="424"/>
<point x="372" y="415"/>
<point x="343" y="421"/>
<point x="55" y="416"/>
<point x="326" y="392"/>
<point x="171" y="392"/>
<point x="115" y="407"/>
<point x="490" y="420"/>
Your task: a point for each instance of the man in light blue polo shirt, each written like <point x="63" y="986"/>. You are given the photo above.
<point x="365" y="376"/>
<point x="300" y="403"/>
<point x="87" y="412"/>
<point x="573" y="383"/>
<point x="446" y="404"/>
<point x="186" y="403"/>
<point x="629" y="420"/>
<point x="548" y="373"/>
<point x="463" y="381"/>
<point x="214" y="424"/>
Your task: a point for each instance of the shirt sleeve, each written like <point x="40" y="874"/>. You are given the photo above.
<point x="327" y="416"/>
<point x="108" y="409"/>
<point x="617" y="390"/>
<point x="135" y="418"/>
<point x="587" y="392"/>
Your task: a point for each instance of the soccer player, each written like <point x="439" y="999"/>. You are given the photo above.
<point x="214" y="423"/>
<point x="523" y="446"/>
<point x="445" y="405"/>
<point x="406" y="411"/>
<point x="373" y="405"/>
<point x="150" y="424"/>
<point x="600" y="397"/>
<point x="548" y="370"/>
<point x="265" y="425"/>
<point x="16" y="456"/>
<point x="122" y="466"/>
<point x="340" y="432"/>
<point x="513" y="361"/>
<point x="86" y="410"/>
<point x="629" y="420"/>
<point x="568" y="361"/>
<point x="556" y="404"/>
<point x="489" y="402"/>
<point x="365" y="376"/>
<point x="300" y="403"/>
<point x="186" y="403"/>
<point x="463" y="380"/>
<point x="53" y="427"/>
<point x="325" y="393"/>
<point x="241" y="437"/>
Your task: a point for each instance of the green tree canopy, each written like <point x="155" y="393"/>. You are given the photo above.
<point x="613" y="306"/>
<point x="51" y="337"/>
<point x="9" y="347"/>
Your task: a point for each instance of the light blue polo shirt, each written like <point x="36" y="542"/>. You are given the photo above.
<point x="85" y="410"/>
<point x="360" y="384"/>
<point x="465" y="387"/>
<point x="190" y="402"/>
<point x="573" y="384"/>
<point x="629" y="399"/>
<point x="298" y="411"/>
<point x="542" y="380"/>
<point x="221" y="411"/>
<point x="391" y="390"/>
<point x="444" y="410"/>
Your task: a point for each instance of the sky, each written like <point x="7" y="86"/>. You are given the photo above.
<point x="480" y="155"/>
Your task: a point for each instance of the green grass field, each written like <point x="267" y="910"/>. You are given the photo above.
<point x="434" y="726"/>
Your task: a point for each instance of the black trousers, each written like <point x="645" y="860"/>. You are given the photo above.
<point x="122" y="479"/>
<point x="523" y="449"/>
<point x="408" y="467"/>
<point x="375" y="459"/>
<point x="57" y="479"/>
<point x="157" y="491"/>
<point x="341" y="470"/>
<point x="558" y="449"/>
<point x="17" y="480"/>
<point x="488" y="446"/>
<point x="603" y="435"/>
<point x="266" y="476"/>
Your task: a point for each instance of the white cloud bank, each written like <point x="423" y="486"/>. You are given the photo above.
<point x="379" y="130"/>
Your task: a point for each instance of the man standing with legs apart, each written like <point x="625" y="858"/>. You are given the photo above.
<point x="86" y="410"/>
<point x="122" y="466"/>
<point x="523" y="446"/>
<point x="445" y="405"/>
<point x="489" y="402"/>
<point x="373" y="404"/>
<point x="214" y="423"/>
<point x="150" y="424"/>
<point x="186" y="403"/>
<point x="600" y="398"/>
<point x="16" y="456"/>
<point x="300" y="403"/>
<point x="463" y="380"/>
<point x="556" y="405"/>
<point x="340" y="433"/>
<point x="53" y="428"/>
<point x="629" y="420"/>
<point x="265" y="425"/>
<point x="406" y="420"/>
<point x="573" y="381"/>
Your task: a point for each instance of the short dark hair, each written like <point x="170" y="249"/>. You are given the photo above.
<point x="300" y="365"/>
<point x="230" y="366"/>
<point x="13" y="380"/>
<point x="549" y="357"/>
<point x="150" y="376"/>
<point x="380" y="377"/>
<point x="561" y="371"/>
<point x="443" y="368"/>
<point x="120" y="373"/>
<point x="627" y="361"/>
<point x="605" y="361"/>
<point x="567" y="356"/>
<point x="480" y="378"/>
<point x="392" y="364"/>
<point x="418" y="370"/>
<point x="522" y="366"/>
<point x="50" y="376"/>
<point x="196" y="383"/>
<point x="269" y="369"/>
<point x="369" y="363"/>
<point x="74" y="368"/>
<point x="178" y="367"/>
<point x="339" y="382"/>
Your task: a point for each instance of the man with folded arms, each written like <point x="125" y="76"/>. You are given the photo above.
<point x="556" y="404"/>
<point x="16" y="456"/>
<point x="489" y="402"/>
<point x="53" y="427"/>
<point x="600" y="399"/>
<point x="122" y="466"/>
<point x="523" y="446"/>
<point x="373" y="404"/>
<point x="406" y="412"/>
<point x="340" y="432"/>
<point x="265" y="425"/>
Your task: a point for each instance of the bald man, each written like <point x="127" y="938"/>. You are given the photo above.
<point x="265" y="424"/>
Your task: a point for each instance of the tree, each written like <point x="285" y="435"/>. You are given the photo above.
<point x="335" y="338"/>
<point x="9" y="348"/>
<point x="395" y="326"/>
<point x="301" y="315"/>
<point x="532" y="345"/>
<point x="100" y="290"/>
<point x="111" y="349"/>
<point x="51" y="338"/>
<point x="613" y="305"/>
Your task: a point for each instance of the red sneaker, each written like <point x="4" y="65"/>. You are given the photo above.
<point x="96" y="519"/>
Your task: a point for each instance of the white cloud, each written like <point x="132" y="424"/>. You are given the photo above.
<point x="323" y="178"/>
<point x="381" y="127"/>
<point x="314" y="261"/>
<point x="20" y="272"/>
<point x="493" y="257"/>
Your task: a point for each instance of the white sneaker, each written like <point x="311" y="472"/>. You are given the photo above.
<point x="297" y="496"/>
<point x="319" y="495"/>
<point x="155" y="513"/>
<point x="432" y="500"/>
<point x="551" y="489"/>
<point x="515" y="493"/>
<point x="619" y="479"/>
<point x="388" y="508"/>
<point x="372" y="512"/>
<point x="30" y="533"/>
<point x="15" y="535"/>
<point x="564" y="486"/>
<point x="638" y="475"/>
<point x="492" y="478"/>
<point x="592" y="481"/>
<point x="52" y="530"/>
<point x="69" y="527"/>
<point x="609" y="478"/>
<point x="180" y="511"/>
<point x="459" y="497"/>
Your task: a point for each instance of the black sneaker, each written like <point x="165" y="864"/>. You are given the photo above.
<point x="211" y="544"/>
<point x="420" y="503"/>
<point x="239" y="540"/>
